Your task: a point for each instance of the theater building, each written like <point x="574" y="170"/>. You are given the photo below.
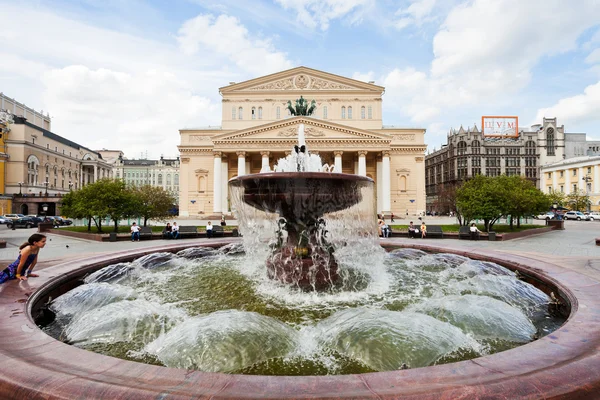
<point x="346" y="130"/>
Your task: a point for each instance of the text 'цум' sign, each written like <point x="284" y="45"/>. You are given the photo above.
<point x="500" y="126"/>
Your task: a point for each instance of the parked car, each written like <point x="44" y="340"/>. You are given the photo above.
<point x="546" y="216"/>
<point x="594" y="215"/>
<point x="62" y="221"/>
<point x="578" y="215"/>
<point x="25" y="222"/>
<point x="11" y="216"/>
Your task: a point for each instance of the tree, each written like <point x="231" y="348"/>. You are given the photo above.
<point x="99" y="200"/>
<point x="578" y="200"/>
<point x="446" y="200"/>
<point x="557" y="198"/>
<point x="152" y="202"/>
<point x="522" y="198"/>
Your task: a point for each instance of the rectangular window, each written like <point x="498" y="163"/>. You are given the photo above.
<point x="549" y="175"/>
<point x="232" y="112"/>
<point x="574" y="187"/>
<point x="562" y="189"/>
<point x="589" y="170"/>
<point x="549" y="189"/>
<point x="562" y="174"/>
<point x="370" y="112"/>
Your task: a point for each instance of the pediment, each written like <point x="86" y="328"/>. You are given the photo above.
<point x="314" y="129"/>
<point x="302" y="79"/>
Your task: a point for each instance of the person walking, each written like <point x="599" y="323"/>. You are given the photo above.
<point x="423" y="230"/>
<point x="175" y="230"/>
<point x="135" y="232"/>
<point x="392" y="218"/>
<point x="209" y="230"/>
<point x="23" y="266"/>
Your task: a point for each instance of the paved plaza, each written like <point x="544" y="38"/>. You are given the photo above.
<point x="572" y="248"/>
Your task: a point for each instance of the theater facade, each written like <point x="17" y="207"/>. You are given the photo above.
<point x="346" y="129"/>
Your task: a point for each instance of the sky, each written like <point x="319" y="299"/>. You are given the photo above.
<point x="128" y="74"/>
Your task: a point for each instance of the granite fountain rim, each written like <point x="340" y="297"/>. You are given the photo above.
<point x="564" y="364"/>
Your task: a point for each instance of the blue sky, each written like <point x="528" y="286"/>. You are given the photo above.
<point x="127" y="75"/>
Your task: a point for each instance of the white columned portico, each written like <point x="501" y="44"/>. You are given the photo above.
<point x="386" y="191"/>
<point x="265" y="160"/>
<point x="338" y="161"/>
<point x="217" y="182"/>
<point x="596" y="179"/>
<point x="362" y="163"/>
<point x="241" y="163"/>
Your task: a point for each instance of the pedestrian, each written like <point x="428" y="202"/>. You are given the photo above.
<point x="175" y="231"/>
<point x="423" y="230"/>
<point x="392" y="217"/>
<point x="209" y="230"/>
<point x="223" y="223"/>
<point x="23" y="266"/>
<point x="135" y="232"/>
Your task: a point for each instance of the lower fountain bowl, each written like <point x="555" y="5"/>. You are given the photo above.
<point x="562" y="365"/>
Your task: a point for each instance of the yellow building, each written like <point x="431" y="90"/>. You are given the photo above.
<point x="5" y="123"/>
<point x="572" y="175"/>
<point x="346" y="130"/>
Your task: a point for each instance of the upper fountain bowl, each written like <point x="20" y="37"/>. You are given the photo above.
<point x="297" y="194"/>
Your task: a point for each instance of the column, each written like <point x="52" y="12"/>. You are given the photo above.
<point x="265" y="161"/>
<point x="379" y="185"/>
<point x="555" y="187"/>
<point x="386" y="191"/>
<point x="95" y="173"/>
<point x="567" y="181"/>
<point x="241" y="163"/>
<point x="216" y="182"/>
<point x="224" y="184"/>
<point x="362" y="162"/>
<point x="338" y="161"/>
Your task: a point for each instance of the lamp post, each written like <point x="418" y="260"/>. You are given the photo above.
<point x="46" y="184"/>
<point x="45" y="209"/>
<point x="554" y="208"/>
<point x="588" y="183"/>
<point x="20" y="184"/>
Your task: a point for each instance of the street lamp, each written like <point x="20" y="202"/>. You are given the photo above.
<point x="46" y="184"/>
<point x="20" y="184"/>
<point x="45" y="209"/>
<point x="588" y="185"/>
<point x="554" y="208"/>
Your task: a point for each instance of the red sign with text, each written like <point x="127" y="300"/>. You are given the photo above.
<point x="496" y="126"/>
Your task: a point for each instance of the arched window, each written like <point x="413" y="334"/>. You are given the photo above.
<point x="259" y="112"/>
<point x="324" y="112"/>
<point x="168" y="179"/>
<point x="232" y="112"/>
<point x="176" y="180"/>
<point x="370" y="112"/>
<point x="278" y="114"/>
<point x="33" y="165"/>
<point x="349" y="112"/>
<point x="160" y="179"/>
<point x="362" y="112"/>
<point x="343" y="112"/>
<point x="202" y="183"/>
<point x="475" y="147"/>
<point x="403" y="183"/>
<point x="240" y="113"/>
<point x="253" y="112"/>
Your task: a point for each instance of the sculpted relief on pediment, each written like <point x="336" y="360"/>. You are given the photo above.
<point x="309" y="131"/>
<point x="302" y="82"/>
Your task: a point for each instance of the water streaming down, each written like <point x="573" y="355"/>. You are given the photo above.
<point x="309" y="292"/>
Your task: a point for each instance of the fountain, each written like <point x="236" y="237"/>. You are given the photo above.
<point x="337" y="303"/>
<point x="301" y="192"/>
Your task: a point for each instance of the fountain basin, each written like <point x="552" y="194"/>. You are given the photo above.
<point x="564" y="364"/>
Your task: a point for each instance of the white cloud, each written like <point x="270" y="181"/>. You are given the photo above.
<point x="368" y="77"/>
<point x="593" y="57"/>
<point x="113" y="109"/>
<point x="417" y="13"/>
<point x="484" y="53"/>
<point x="576" y="109"/>
<point x="226" y="36"/>
<point x="319" y="13"/>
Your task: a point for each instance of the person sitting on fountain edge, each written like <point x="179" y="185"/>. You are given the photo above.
<point x="412" y="230"/>
<point x="167" y="231"/>
<point x="175" y="231"/>
<point x="423" y="230"/>
<point x="209" y="230"/>
<point x="135" y="232"/>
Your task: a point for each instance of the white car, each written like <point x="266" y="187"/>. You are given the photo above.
<point x="578" y="215"/>
<point x="594" y="215"/>
<point x="546" y="216"/>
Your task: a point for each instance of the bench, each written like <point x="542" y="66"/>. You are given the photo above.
<point x="218" y="231"/>
<point x="434" y="231"/>
<point x="145" y="232"/>
<point x="187" y="231"/>
<point x="464" y="232"/>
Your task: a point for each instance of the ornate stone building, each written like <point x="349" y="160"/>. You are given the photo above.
<point x="345" y="130"/>
<point x="468" y="153"/>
